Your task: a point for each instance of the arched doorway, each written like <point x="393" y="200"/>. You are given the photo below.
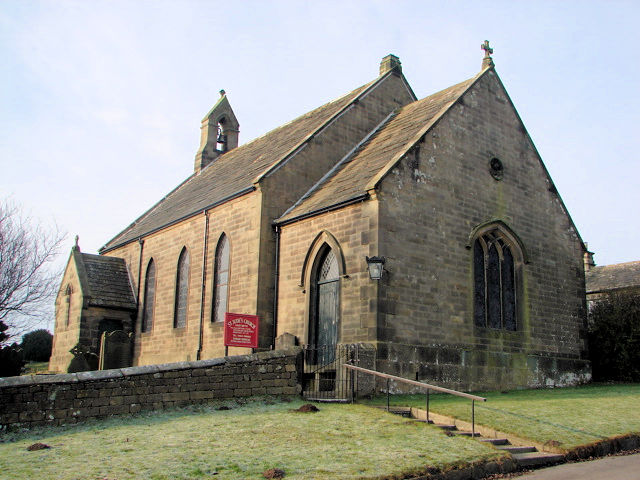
<point x="325" y="311"/>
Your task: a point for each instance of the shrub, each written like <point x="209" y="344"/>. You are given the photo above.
<point x="11" y="361"/>
<point x="614" y="338"/>
<point x="36" y="345"/>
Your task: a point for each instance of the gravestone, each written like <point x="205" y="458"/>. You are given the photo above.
<point x="115" y="350"/>
<point x="84" y="360"/>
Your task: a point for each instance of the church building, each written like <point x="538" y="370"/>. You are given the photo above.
<point x="428" y="230"/>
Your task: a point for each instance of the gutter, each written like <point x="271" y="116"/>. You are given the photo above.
<point x="233" y="196"/>
<point x="360" y="198"/>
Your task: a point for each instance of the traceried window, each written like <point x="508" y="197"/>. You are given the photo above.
<point x="182" y="290"/>
<point x="149" y="297"/>
<point x="221" y="280"/>
<point x="495" y="281"/>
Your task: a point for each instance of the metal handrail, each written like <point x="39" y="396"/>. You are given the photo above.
<point x="429" y="387"/>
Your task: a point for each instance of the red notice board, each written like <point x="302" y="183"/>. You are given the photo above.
<point x="241" y="330"/>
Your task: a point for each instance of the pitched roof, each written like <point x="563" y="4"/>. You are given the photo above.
<point x="105" y="281"/>
<point x="235" y="172"/>
<point x="612" y="277"/>
<point x="363" y="168"/>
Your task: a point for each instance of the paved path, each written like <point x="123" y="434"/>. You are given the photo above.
<point x="624" y="467"/>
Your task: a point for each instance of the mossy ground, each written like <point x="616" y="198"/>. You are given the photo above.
<point x="338" y="442"/>
<point x="569" y="416"/>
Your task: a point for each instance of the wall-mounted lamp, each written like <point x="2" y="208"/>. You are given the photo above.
<point x="376" y="267"/>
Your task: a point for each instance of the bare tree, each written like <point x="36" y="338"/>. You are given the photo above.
<point x="27" y="283"/>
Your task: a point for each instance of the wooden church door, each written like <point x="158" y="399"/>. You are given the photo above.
<point x="326" y="316"/>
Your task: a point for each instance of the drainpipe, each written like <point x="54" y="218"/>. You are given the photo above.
<point x="134" y="327"/>
<point x="275" y="288"/>
<point x="141" y="243"/>
<point x="204" y="278"/>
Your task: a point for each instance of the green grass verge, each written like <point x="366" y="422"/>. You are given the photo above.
<point x="570" y="416"/>
<point x="338" y="442"/>
<point x="36" y="367"/>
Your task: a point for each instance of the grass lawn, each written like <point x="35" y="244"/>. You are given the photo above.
<point x="570" y="416"/>
<point x="36" y="367"/>
<point x="338" y="442"/>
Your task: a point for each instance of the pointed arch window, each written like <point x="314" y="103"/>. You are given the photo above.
<point x="182" y="290"/>
<point x="67" y="295"/>
<point x="496" y="262"/>
<point x="149" y="297"/>
<point x="221" y="280"/>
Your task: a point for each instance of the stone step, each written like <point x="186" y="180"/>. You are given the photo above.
<point x="467" y="434"/>
<point x="326" y="400"/>
<point x="423" y="421"/>
<point x="536" y="459"/>
<point x="495" y="441"/>
<point x="447" y="427"/>
<point x="516" y="449"/>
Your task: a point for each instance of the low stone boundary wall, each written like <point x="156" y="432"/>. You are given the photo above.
<point x="68" y="398"/>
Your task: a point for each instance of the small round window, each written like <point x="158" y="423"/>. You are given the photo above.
<point x="496" y="169"/>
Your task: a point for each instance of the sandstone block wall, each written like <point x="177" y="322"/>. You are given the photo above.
<point x="354" y="230"/>
<point x="68" y="308"/>
<point x="429" y="206"/>
<point x="239" y="220"/>
<point x="70" y="398"/>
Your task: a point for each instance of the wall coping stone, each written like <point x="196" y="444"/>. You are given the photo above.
<point x="144" y="369"/>
<point x="99" y="374"/>
<point x="16" y="381"/>
<point x="130" y="371"/>
<point x="211" y="362"/>
<point x="56" y="378"/>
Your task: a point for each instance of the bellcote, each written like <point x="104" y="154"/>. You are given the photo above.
<point x="218" y="133"/>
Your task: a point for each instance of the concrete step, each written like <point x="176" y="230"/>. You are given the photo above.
<point x="516" y="449"/>
<point x="536" y="459"/>
<point x="423" y="421"/>
<point x="495" y="441"/>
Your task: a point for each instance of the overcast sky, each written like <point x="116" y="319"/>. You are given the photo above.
<point x="101" y="101"/>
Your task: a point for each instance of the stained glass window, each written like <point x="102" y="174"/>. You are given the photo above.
<point x="495" y="282"/>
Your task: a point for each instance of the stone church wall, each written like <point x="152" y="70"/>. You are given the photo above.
<point x="429" y="206"/>
<point x="354" y="228"/>
<point x="70" y="398"/>
<point x="285" y="186"/>
<point x="238" y="219"/>
<point x="68" y="314"/>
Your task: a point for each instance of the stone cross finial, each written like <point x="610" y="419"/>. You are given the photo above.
<point x="487" y="61"/>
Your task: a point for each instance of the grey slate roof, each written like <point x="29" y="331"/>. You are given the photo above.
<point x="234" y="172"/>
<point x="105" y="281"/>
<point x="355" y="175"/>
<point x="613" y="277"/>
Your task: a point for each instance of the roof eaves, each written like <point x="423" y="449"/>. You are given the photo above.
<point x="104" y="248"/>
<point x="358" y="198"/>
<point x="375" y="181"/>
<point x="239" y="193"/>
